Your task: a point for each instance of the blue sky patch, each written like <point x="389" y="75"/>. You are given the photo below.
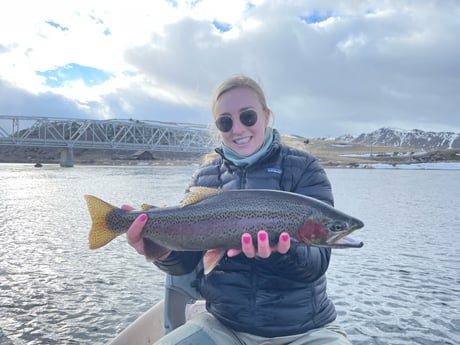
<point x="89" y="75"/>
<point x="316" y="17"/>
<point x="57" y="25"/>
<point x="221" y="26"/>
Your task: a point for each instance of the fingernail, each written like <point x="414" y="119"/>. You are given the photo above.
<point x="262" y="236"/>
<point x="143" y="217"/>
<point x="246" y="239"/>
<point x="285" y="237"/>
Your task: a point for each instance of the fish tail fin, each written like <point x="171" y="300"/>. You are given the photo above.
<point x="100" y="234"/>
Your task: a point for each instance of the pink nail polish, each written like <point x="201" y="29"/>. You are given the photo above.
<point x="262" y="236"/>
<point x="247" y="239"/>
<point x="285" y="237"/>
<point x="143" y="217"/>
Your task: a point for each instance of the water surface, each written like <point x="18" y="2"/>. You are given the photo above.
<point x="402" y="287"/>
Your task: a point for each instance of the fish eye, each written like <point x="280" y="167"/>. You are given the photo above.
<point x="337" y="226"/>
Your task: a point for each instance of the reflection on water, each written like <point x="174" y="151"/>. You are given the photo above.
<point x="401" y="288"/>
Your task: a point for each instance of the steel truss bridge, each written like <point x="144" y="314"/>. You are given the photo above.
<point x="113" y="134"/>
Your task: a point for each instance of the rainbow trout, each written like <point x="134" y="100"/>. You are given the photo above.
<point x="214" y="219"/>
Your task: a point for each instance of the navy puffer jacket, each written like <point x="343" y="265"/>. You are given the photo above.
<point x="283" y="294"/>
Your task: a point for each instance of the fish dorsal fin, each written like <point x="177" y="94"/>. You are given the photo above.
<point x="199" y="193"/>
<point x="146" y="207"/>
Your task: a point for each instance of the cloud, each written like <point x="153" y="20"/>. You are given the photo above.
<point x="327" y="68"/>
<point x="19" y="102"/>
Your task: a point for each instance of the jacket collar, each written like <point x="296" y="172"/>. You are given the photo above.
<point x="272" y="148"/>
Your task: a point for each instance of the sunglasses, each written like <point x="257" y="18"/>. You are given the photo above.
<point x="247" y="118"/>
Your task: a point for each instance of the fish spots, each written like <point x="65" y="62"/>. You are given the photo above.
<point x="213" y="219"/>
<point x="118" y="220"/>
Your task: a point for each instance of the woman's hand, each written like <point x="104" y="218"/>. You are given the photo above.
<point x="263" y="249"/>
<point x="134" y="234"/>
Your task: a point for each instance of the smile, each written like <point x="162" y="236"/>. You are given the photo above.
<point x="242" y="140"/>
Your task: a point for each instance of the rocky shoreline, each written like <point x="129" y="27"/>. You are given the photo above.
<point x="41" y="155"/>
<point x="330" y="154"/>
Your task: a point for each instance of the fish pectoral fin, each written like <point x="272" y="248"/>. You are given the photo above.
<point x="154" y="250"/>
<point x="211" y="259"/>
<point x="199" y="193"/>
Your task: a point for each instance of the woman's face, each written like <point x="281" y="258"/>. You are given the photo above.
<point x="244" y="140"/>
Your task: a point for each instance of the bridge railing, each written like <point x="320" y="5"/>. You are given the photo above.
<point x="104" y="134"/>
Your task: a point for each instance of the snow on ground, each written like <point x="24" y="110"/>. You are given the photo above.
<point x="388" y="154"/>
<point x="426" y="166"/>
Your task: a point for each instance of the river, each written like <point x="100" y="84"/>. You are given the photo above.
<point x="402" y="287"/>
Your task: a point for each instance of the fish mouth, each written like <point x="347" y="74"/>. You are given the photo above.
<point x="343" y="241"/>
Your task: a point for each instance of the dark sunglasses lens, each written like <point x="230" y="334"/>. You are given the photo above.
<point x="224" y="123"/>
<point x="248" y="118"/>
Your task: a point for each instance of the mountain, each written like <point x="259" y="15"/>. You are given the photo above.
<point x="406" y="138"/>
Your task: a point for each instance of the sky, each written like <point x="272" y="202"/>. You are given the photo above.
<point x="328" y="68"/>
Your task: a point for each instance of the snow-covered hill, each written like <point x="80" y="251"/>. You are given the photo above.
<point x="406" y="138"/>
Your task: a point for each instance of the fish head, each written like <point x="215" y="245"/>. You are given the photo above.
<point x="329" y="229"/>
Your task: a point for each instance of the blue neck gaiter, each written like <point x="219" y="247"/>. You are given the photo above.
<point x="240" y="160"/>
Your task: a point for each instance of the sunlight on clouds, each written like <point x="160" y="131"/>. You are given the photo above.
<point x="352" y="45"/>
<point x="228" y="11"/>
<point x="173" y="94"/>
<point x="91" y="33"/>
<point x="79" y="90"/>
<point x="39" y="44"/>
<point x="250" y="24"/>
<point x="317" y="55"/>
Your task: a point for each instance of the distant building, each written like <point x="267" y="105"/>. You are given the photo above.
<point x="142" y="156"/>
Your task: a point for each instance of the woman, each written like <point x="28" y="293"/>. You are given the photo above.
<point x="263" y="294"/>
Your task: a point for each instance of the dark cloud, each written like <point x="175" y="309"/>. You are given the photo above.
<point x="17" y="101"/>
<point x="145" y="107"/>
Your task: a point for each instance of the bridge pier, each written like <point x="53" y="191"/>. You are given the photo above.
<point x="67" y="158"/>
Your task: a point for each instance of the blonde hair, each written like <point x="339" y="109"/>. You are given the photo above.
<point x="235" y="82"/>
